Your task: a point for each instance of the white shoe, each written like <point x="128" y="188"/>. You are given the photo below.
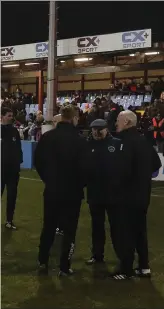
<point x="10" y="226"/>
<point x="144" y="273"/>
<point x="65" y="274"/>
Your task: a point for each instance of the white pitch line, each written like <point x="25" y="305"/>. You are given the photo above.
<point x="33" y="179"/>
<point x="157" y="195"/>
<point x="38" y="180"/>
<point x="158" y="188"/>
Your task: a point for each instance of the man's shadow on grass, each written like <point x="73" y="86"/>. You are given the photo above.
<point x="6" y="236"/>
<point x="45" y="296"/>
<point x="81" y="292"/>
<point x="25" y="262"/>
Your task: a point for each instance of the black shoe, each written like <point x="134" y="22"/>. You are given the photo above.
<point x="65" y="274"/>
<point x="10" y="226"/>
<point x="43" y="269"/>
<point x="143" y="273"/>
<point x="93" y="261"/>
<point x="121" y="276"/>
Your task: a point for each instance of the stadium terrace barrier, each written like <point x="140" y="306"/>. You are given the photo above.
<point x="28" y="148"/>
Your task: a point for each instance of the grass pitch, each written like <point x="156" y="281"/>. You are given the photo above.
<point x="88" y="288"/>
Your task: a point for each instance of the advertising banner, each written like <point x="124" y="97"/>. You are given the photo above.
<point x="137" y="39"/>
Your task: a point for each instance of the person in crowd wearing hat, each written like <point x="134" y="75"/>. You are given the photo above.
<point x="102" y="168"/>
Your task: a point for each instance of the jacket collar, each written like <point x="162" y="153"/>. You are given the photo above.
<point x="128" y="132"/>
<point x="65" y="125"/>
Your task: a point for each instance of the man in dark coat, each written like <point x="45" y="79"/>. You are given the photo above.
<point x="58" y="162"/>
<point x="139" y="161"/>
<point x="102" y="167"/>
<point x="11" y="158"/>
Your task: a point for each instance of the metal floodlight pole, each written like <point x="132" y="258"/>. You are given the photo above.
<point x="52" y="62"/>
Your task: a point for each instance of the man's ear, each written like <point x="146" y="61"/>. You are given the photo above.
<point x="127" y="121"/>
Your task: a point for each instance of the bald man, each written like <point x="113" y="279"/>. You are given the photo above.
<point x="139" y="161"/>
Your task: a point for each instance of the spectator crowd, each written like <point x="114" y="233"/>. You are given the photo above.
<point x="150" y="115"/>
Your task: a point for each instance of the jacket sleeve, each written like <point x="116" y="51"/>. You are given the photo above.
<point x="19" y="145"/>
<point x="40" y="156"/>
<point x="82" y="159"/>
<point x="144" y="164"/>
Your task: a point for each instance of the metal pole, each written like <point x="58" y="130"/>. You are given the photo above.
<point x="52" y="62"/>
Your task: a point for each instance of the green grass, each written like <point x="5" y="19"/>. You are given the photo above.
<point x="88" y="288"/>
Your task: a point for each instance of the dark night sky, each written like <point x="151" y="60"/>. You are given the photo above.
<point x="27" y="22"/>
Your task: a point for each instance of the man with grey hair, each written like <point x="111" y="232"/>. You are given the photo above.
<point x="126" y="120"/>
<point x="139" y="161"/>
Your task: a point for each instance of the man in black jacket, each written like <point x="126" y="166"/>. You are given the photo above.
<point x="58" y="159"/>
<point x="139" y="161"/>
<point x="11" y="159"/>
<point x="102" y="165"/>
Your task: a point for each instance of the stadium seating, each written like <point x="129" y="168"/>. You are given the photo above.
<point x="124" y="100"/>
<point x="147" y="98"/>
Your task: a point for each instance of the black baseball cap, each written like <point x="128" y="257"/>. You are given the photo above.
<point x="99" y="124"/>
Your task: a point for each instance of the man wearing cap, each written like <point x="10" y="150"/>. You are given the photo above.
<point x="104" y="153"/>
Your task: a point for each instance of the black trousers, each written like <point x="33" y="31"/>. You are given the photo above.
<point x="141" y="241"/>
<point x="128" y="233"/>
<point x="10" y="179"/>
<point x="97" y="212"/>
<point x="53" y="210"/>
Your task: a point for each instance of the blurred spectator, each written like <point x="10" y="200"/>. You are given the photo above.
<point x="112" y="117"/>
<point x="18" y="91"/>
<point x="146" y="126"/>
<point x="125" y="87"/>
<point x="158" y="87"/>
<point x="133" y="85"/>
<point x="141" y="86"/>
<point x="158" y="124"/>
<point x="95" y="112"/>
<point x="117" y="85"/>
<point x="27" y="100"/>
<point x="162" y="97"/>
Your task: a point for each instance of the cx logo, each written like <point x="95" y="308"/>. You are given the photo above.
<point x="88" y="42"/>
<point x="7" y="51"/>
<point x="41" y="47"/>
<point x="134" y="36"/>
